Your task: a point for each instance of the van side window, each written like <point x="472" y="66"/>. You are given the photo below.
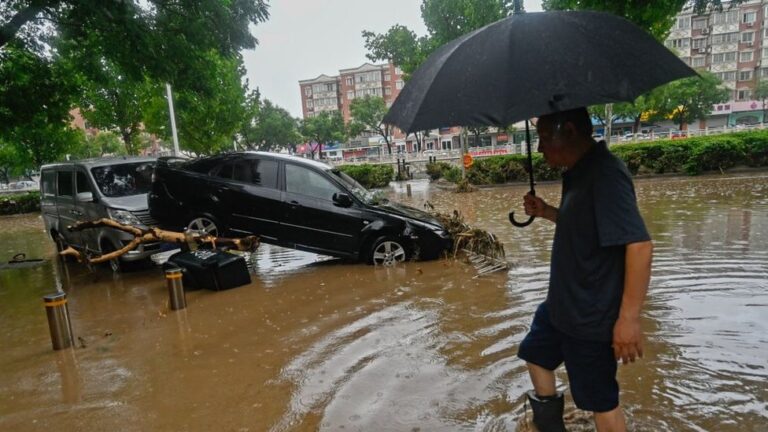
<point x="265" y="173"/>
<point x="49" y="183"/>
<point x="64" y="183"/>
<point x="224" y="171"/>
<point x="306" y="182"/>
<point x="82" y="183"/>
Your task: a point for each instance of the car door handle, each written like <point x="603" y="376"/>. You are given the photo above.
<point x="294" y="204"/>
<point x="76" y="213"/>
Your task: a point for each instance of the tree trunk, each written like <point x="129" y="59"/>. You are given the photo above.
<point x="127" y="141"/>
<point x="8" y="30"/>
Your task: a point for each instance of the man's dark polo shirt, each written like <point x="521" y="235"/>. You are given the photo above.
<point x="598" y="217"/>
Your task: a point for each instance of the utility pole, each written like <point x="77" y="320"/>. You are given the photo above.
<point x="608" y="122"/>
<point x="173" y="120"/>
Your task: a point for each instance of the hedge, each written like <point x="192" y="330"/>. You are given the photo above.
<point x="369" y="175"/>
<point x="691" y="156"/>
<point x="27" y="202"/>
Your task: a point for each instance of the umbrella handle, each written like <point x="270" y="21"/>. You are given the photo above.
<point x="520" y="224"/>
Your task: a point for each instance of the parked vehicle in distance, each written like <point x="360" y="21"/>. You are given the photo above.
<point x="114" y="188"/>
<point x="291" y="202"/>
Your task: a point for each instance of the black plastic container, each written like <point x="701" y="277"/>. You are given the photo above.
<point x="210" y="269"/>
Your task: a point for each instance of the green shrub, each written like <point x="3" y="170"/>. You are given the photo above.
<point x="716" y="153"/>
<point x="453" y="174"/>
<point x="369" y="175"/>
<point x="27" y="202"/>
<point x="436" y="170"/>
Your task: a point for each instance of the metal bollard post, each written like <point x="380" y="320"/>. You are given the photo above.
<point x="175" y="289"/>
<point x="408" y="189"/>
<point x="58" y="320"/>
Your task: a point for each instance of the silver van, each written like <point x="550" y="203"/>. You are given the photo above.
<point x="92" y="189"/>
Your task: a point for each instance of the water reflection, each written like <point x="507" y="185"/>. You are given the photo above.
<point x="318" y="344"/>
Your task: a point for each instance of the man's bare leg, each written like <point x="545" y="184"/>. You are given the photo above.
<point x="543" y="380"/>
<point x="610" y="421"/>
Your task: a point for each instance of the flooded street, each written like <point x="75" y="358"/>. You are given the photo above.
<point x="316" y="344"/>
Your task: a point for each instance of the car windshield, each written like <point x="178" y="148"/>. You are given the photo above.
<point x="361" y="193"/>
<point x="124" y="179"/>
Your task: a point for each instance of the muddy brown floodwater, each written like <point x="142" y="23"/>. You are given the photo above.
<point x="315" y="344"/>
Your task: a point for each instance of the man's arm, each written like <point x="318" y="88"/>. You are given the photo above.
<point x="535" y="206"/>
<point x="627" y="336"/>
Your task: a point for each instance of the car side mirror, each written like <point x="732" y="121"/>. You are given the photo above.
<point x="85" y="197"/>
<point x="342" y="200"/>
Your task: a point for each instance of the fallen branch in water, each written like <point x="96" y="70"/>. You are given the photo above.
<point x="465" y="237"/>
<point x="152" y="235"/>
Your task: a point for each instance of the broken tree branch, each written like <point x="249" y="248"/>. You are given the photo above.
<point x="152" y="235"/>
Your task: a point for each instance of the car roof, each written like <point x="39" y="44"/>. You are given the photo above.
<point x="98" y="162"/>
<point x="269" y="155"/>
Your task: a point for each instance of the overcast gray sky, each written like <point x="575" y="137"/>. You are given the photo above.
<point x="306" y="38"/>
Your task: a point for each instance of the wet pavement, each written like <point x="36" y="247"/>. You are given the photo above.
<point x="317" y="344"/>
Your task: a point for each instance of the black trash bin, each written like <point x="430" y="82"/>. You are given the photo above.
<point x="210" y="269"/>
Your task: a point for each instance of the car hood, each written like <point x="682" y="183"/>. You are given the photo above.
<point x="409" y="212"/>
<point x="130" y="202"/>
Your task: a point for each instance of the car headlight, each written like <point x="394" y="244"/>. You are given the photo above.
<point x="123" y="216"/>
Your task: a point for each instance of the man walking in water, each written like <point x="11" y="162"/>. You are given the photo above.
<point x="599" y="275"/>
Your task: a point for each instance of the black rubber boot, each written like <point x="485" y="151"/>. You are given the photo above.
<point x="547" y="412"/>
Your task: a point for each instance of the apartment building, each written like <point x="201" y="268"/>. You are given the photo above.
<point x="732" y="44"/>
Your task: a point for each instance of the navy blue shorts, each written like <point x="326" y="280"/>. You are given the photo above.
<point x="591" y="365"/>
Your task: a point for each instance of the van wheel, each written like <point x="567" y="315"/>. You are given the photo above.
<point x="387" y="251"/>
<point x="205" y="224"/>
<point x="114" y="264"/>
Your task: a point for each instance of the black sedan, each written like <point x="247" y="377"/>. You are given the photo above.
<point x="291" y="202"/>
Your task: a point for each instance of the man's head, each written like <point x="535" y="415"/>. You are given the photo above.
<point x="564" y="136"/>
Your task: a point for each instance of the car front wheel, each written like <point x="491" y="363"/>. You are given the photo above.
<point x="205" y="225"/>
<point x="387" y="251"/>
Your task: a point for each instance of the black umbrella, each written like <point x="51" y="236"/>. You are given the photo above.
<point x="533" y="64"/>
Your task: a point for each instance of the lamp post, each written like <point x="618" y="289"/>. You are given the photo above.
<point x="173" y="120"/>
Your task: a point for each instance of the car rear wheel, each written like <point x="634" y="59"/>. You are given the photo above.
<point x="205" y="225"/>
<point x="387" y="251"/>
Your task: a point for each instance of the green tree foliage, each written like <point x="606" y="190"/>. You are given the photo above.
<point x="761" y="94"/>
<point x="445" y="20"/>
<point x="643" y="104"/>
<point x="323" y="128"/>
<point x="101" y="144"/>
<point x="271" y="128"/>
<point x="36" y="94"/>
<point x="157" y="38"/>
<point x="206" y="123"/>
<point x="367" y="114"/>
<point x="689" y="99"/>
<point x="656" y="16"/>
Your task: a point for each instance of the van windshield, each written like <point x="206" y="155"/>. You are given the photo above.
<point x="124" y="179"/>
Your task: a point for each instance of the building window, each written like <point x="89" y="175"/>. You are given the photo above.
<point x="748" y="36"/>
<point x="330" y="87"/>
<point x="699" y="43"/>
<point x="350" y="81"/>
<point x="680" y="43"/>
<point x="310" y="104"/>
<point x="727" y="17"/>
<point x="743" y="94"/>
<point x="308" y="91"/>
<point x="725" y="38"/>
<point x="764" y="72"/>
<point x="398" y="71"/>
<point x="387" y="77"/>
<point x="745" y="75"/>
<point x="724" y="57"/>
<point x="387" y="91"/>
<point x="745" y="56"/>
<point x="399" y="84"/>
<point x="749" y="17"/>
<point x="700" y="23"/>
<point x="698" y="62"/>
<point x="350" y="94"/>
<point x="683" y="23"/>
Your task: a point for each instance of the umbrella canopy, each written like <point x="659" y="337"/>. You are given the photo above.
<point x="533" y="64"/>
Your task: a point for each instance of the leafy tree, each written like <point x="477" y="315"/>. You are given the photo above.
<point x="761" y="93"/>
<point x="445" y="20"/>
<point x="157" y="38"/>
<point x="9" y="162"/>
<point x="656" y="16"/>
<point x="367" y="114"/>
<point x="323" y="128"/>
<point x="635" y="109"/>
<point x="689" y="99"/>
<point x="206" y="123"/>
<point x="103" y="143"/>
<point x="271" y="128"/>
<point x="113" y="101"/>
